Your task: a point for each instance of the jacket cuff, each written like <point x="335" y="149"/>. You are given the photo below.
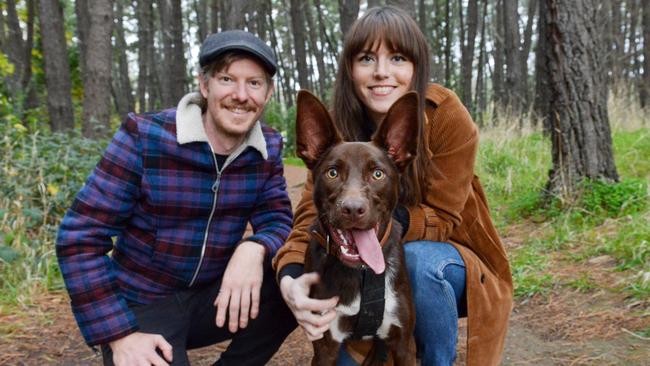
<point x="294" y="270"/>
<point x="416" y="224"/>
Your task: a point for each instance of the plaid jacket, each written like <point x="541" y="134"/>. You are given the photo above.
<point x="175" y="218"/>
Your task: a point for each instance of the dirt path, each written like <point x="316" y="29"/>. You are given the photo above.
<point x="564" y="328"/>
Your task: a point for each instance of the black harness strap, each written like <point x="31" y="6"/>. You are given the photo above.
<point x="371" y="312"/>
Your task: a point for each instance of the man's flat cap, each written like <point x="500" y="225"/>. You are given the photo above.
<point x="218" y="43"/>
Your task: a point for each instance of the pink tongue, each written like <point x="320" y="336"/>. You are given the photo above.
<point x="369" y="249"/>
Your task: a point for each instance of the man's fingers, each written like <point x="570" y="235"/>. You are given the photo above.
<point x="255" y="301"/>
<point x="164" y="347"/>
<point x="309" y="279"/>
<point x="222" y="306"/>
<point x="314" y="333"/>
<point x="233" y="309"/>
<point x="244" y="308"/>
<point x="156" y="360"/>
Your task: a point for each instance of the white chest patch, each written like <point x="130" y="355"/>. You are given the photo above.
<point x="390" y="306"/>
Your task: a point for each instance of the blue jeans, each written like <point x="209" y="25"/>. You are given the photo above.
<point x="437" y="274"/>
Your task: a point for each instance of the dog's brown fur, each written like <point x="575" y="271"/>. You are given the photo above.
<point x="355" y="200"/>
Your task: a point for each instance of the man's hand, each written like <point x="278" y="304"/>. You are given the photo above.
<point x="139" y="349"/>
<point x="240" y="287"/>
<point x="314" y="316"/>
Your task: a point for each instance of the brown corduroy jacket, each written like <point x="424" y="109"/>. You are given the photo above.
<point x="454" y="210"/>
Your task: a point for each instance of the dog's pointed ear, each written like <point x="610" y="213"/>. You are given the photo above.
<point x="315" y="131"/>
<point x="398" y="133"/>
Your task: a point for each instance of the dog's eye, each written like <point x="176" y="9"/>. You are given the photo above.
<point x="378" y="174"/>
<point x="332" y="173"/>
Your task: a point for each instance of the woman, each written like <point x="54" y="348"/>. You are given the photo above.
<point x="456" y="262"/>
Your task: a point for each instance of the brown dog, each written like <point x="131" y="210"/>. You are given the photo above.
<point x="355" y="245"/>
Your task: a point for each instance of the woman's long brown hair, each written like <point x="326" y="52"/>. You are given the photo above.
<point x="400" y="33"/>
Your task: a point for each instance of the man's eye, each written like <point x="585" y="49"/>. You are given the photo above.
<point x="332" y="173"/>
<point x="378" y="174"/>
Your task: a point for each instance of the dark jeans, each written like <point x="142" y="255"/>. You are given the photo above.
<point x="187" y="321"/>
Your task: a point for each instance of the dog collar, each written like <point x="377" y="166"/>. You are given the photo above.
<point x="326" y="242"/>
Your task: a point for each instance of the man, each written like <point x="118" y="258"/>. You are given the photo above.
<point x="176" y="189"/>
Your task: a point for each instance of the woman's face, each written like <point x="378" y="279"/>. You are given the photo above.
<point x="380" y="77"/>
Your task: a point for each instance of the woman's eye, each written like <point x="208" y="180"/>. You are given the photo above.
<point x="399" y="58"/>
<point x="366" y="59"/>
<point x="332" y="173"/>
<point x="378" y="174"/>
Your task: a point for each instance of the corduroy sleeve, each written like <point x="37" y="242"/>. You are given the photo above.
<point x="452" y="139"/>
<point x="98" y="213"/>
<point x="272" y="216"/>
<point x="293" y="251"/>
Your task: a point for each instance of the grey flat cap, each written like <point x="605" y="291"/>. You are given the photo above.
<point x="218" y="43"/>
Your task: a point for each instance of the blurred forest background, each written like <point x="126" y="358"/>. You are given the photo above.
<point x="560" y="90"/>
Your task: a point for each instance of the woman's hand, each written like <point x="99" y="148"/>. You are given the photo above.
<point x="313" y="315"/>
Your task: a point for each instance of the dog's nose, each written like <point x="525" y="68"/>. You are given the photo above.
<point x="353" y="208"/>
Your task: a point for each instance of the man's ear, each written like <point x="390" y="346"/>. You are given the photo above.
<point x="398" y="133"/>
<point x="203" y="87"/>
<point x="315" y="131"/>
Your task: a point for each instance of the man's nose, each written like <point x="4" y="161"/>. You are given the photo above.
<point x="240" y="93"/>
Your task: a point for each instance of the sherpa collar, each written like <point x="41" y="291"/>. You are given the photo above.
<point x="189" y="126"/>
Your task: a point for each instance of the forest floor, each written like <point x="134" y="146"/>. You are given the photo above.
<point x="591" y="326"/>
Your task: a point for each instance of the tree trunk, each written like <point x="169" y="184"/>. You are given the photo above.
<point x="448" y="42"/>
<point x="348" y="10"/>
<point x="214" y="17"/>
<point x="525" y="51"/>
<point x="83" y="26"/>
<point x="542" y="77"/>
<point x="97" y="102"/>
<point x="201" y="10"/>
<point x="581" y="138"/>
<point x="480" y="99"/>
<point x="57" y="68"/>
<point x="514" y="91"/>
<point x="318" y="52"/>
<point x="173" y="75"/>
<point x="122" y="91"/>
<point x="467" y="52"/>
<point x="499" y="56"/>
<point x="645" y="87"/>
<point x="144" y="13"/>
<point x="234" y="14"/>
<point x="407" y="5"/>
<point x="298" y="31"/>
<point x="283" y="72"/>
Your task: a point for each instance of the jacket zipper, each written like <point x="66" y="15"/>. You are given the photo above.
<point x="215" y="189"/>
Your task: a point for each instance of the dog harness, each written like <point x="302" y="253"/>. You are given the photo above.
<point x="371" y="307"/>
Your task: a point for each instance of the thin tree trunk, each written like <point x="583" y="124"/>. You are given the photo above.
<point x="177" y="71"/>
<point x="645" y="86"/>
<point x="201" y="10"/>
<point x="480" y="99"/>
<point x="144" y="13"/>
<point x="122" y="91"/>
<point x="499" y="56"/>
<point x="448" y="42"/>
<point x="406" y="5"/>
<point x="283" y="70"/>
<point x="317" y="51"/>
<point x="348" y="10"/>
<point x="577" y="108"/>
<point x="468" y="36"/>
<point x="83" y="25"/>
<point x="234" y="14"/>
<point x="57" y="68"/>
<point x="298" y="30"/>
<point x="513" y="83"/>
<point x="525" y="51"/>
<point x="97" y="103"/>
<point x="542" y="77"/>
<point x="214" y="16"/>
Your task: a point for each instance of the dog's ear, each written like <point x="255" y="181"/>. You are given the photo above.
<point x="398" y="133"/>
<point x="315" y="131"/>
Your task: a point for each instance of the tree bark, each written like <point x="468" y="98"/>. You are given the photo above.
<point x="645" y="87"/>
<point x="577" y="108"/>
<point x="448" y="42"/>
<point x="97" y="103"/>
<point x="318" y="52"/>
<point x="234" y="14"/>
<point x="514" y="91"/>
<point x="480" y="98"/>
<point x="144" y="12"/>
<point x="283" y="72"/>
<point x="173" y="75"/>
<point x="83" y="26"/>
<point x="214" y="17"/>
<point x="468" y="36"/>
<point x="406" y="5"/>
<point x="348" y="10"/>
<point x="298" y="31"/>
<point x="57" y="67"/>
<point x="122" y="91"/>
<point x="542" y="77"/>
<point x="201" y="10"/>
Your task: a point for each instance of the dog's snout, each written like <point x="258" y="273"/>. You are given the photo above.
<point x="354" y="208"/>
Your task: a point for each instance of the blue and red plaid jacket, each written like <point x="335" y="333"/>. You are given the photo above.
<point x="175" y="218"/>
